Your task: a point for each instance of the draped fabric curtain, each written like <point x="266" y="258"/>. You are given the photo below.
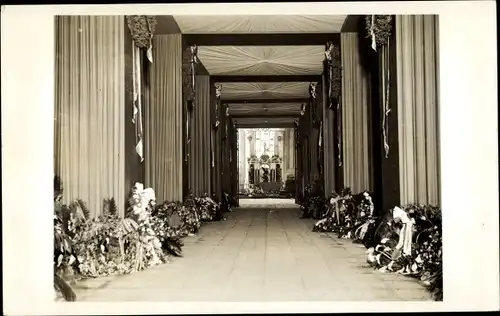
<point x="163" y="120"/>
<point x="89" y="109"/>
<point x="418" y="108"/>
<point x="200" y="157"/>
<point x="355" y="116"/>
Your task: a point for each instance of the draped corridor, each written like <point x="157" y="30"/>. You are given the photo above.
<point x="168" y="118"/>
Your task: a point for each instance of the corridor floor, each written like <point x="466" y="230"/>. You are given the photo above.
<point x="262" y="252"/>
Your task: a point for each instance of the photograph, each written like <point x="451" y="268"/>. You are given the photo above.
<point x="247" y="158"/>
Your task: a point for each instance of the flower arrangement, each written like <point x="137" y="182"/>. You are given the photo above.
<point x="378" y="28"/>
<point x="391" y="247"/>
<point x="109" y="244"/>
<point x="425" y="259"/>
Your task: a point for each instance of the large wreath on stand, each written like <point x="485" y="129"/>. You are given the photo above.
<point x="332" y="54"/>
<point x="379" y="30"/>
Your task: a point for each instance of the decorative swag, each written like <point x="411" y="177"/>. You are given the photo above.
<point x="379" y="30"/>
<point x="334" y="79"/>
<point x="142" y="28"/>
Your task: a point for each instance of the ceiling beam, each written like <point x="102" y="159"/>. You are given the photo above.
<point x="298" y="39"/>
<point x="264" y="101"/>
<point x="264" y="116"/>
<point x="268" y="78"/>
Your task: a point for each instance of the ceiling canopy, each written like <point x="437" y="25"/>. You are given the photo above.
<point x="264" y="90"/>
<point x="245" y="24"/>
<point x="264" y="109"/>
<point x="262" y="60"/>
<point x="262" y="48"/>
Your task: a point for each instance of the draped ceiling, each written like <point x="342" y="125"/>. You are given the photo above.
<point x="292" y="59"/>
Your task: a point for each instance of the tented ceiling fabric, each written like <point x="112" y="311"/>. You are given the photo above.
<point x="271" y="109"/>
<point x="264" y="90"/>
<point x="204" y="24"/>
<point x="262" y="60"/>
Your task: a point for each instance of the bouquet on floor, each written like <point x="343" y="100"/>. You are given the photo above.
<point x="189" y="214"/>
<point x="149" y="251"/>
<point x="332" y="215"/>
<point x="314" y="204"/>
<point x="414" y="247"/>
<point x="209" y="209"/>
<point x="170" y="227"/>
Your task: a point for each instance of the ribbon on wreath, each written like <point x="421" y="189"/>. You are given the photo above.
<point x="339" y="136"/>
<point x="372" y="34"/>
<point x="386" y="106"/>
<point x="329" y="60"/>
<point x="312" y="89"/>
<point x="137" y="114"/>
<point x="193" y="61"/>
<point x="218" y="93"/>
<point x="335" y="202"/>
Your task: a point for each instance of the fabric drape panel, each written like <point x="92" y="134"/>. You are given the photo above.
<point x="418" y="108"/>
<point x="329" y="144"/>
<point x="163" y="120"/>
<point x="200" y="157"/>
<point x="89" y="109"/>
<point x="355" y="116"/>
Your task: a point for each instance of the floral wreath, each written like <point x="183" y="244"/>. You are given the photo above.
<point x="332" y="54"/>
<point x="142" y="28"/>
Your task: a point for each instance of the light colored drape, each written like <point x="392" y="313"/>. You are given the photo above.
<point x="355" y="116"/>
<point x="163" y="120"/>
<point x="200" y="162"/>
<point x="89" y="109"/>
<point x="417" y="108"/>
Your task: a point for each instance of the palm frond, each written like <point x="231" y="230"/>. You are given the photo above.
<point x="110" y="207"/>
<point x="64" y="288"/>
<point x="58" y="188"/>
<point x="80" y="210"/>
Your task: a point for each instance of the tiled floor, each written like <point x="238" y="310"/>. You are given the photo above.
<point x="263" y="252"/>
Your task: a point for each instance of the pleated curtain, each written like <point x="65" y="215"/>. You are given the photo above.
<point x="417" y="85"/>
<point x="163" y="120"/>
<point x="200" y="155"/>
<point x="355" y="116"/>
<point x="89" y="109"/>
